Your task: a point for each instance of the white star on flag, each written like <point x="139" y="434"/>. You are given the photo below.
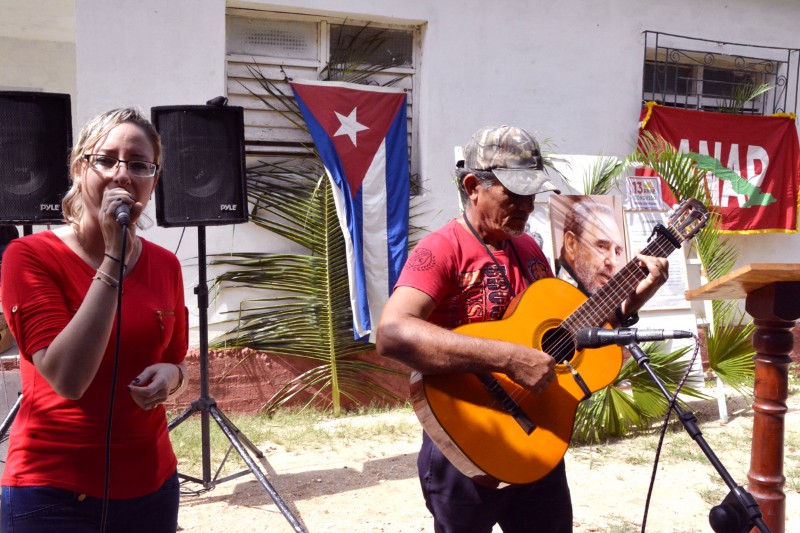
<point x="349" y="125"/>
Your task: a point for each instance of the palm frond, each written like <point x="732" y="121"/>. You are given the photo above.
<point x="316" y="382"/>
<point x="609" y="412"/>
<point x="670" y="367"/>
<point x="742" y="94"/>
<point x="603" y="176"/>
<point x="730" y="349"/>
<point x="677" y="169"/>
<point x="275" y="99"/>
<point x="313" y="320"/>
<point x="353" y="59"/>
<point x="715" y="250"/>
<point x="613" y="412"/>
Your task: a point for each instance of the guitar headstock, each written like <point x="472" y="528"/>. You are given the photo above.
<point x="688" y="219"/>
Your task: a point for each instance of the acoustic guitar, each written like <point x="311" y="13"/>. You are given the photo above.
<point x="499" y="433"/>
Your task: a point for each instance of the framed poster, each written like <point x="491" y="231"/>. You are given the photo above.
<point x="589" y="242"/>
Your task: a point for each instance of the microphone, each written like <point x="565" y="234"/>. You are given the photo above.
<point x="123" y="214"/>
<point x="599" y="337"/>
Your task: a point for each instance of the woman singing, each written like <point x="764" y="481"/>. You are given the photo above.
<point x="60" y="296"/>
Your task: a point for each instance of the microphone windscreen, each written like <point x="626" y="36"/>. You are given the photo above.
<point x="586" y="337"/>
<point x="123" y="214"/>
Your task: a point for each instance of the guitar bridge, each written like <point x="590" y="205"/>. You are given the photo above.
<point x="507" y="402"/>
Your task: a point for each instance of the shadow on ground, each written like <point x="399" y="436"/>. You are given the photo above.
<point x="310" y="484"/>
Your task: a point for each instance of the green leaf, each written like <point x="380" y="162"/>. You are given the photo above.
<point x="633" y="400"/>
<point x="728" y="343"/>
<point x="603" y="176"/>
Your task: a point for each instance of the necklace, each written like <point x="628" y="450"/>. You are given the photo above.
<point x="496" y="262"/>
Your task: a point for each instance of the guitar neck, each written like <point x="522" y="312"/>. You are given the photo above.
<point x="595" y="311"/>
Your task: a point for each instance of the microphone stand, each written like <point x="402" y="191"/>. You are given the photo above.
<point x="739" y="511"/>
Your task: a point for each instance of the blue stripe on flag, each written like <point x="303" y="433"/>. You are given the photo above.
<point x="397" y="194"/>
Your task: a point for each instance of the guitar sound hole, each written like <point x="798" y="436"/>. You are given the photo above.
<point x="559" y="344"/>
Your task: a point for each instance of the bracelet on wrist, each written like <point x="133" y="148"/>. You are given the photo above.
<point x="180" y="380"/>
<point x="106" y="282"/>
<point x="119" y="261"/>
<point x="106" y="279"/>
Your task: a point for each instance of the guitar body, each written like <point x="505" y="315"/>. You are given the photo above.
<point x="476" y="433"/>
<point x="497" y="432"/>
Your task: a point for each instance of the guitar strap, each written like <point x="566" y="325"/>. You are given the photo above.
<point x="496" y="262"/>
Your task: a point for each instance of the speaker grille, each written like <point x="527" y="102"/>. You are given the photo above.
<point x="203" y="170"/>
<point x="35" y="140"/>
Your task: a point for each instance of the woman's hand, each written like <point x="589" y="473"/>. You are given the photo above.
<point x="112" y="199"/>
<point x="152" y="387"/>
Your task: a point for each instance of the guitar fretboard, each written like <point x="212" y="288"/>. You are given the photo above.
<point x="601" y="305"/>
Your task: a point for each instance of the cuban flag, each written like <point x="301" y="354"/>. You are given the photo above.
<point x="360" y="134"/>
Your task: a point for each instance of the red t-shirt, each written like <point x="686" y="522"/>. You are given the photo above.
<point x="451" y="266"/>
<point x="57" y="442"/>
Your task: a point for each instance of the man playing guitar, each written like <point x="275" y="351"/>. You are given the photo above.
<point x="470" y="271"/>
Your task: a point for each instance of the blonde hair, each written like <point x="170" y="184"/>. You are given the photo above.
<point x="92" y="132"/>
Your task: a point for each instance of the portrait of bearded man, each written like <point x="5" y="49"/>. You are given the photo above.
<point x="592" y="243"/>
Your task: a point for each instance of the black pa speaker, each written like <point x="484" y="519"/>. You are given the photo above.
<point x="35" y="141"/>
<point x="203" y="170"/>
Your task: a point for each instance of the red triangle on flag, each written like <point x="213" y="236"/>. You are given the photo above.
<point x="356" y="119"/>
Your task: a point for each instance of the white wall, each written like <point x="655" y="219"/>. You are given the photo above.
<point x="569" y="71"/>
<point x="152" y="53"/>
<point x="37" y="46"/>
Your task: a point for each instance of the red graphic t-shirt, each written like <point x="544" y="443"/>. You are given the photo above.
<point x="451" y="266"/>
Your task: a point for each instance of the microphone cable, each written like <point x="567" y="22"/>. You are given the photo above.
<point x="107" y="479"/>
<point x="665" y="424"/>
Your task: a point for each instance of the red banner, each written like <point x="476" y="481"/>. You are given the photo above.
<point x="755" y="189"/>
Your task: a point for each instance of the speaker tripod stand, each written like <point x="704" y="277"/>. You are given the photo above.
<point x="9" y="419"/>
<point x="207" y="407"/>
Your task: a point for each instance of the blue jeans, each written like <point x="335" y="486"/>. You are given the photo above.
<point x="459" y="505"/>
<point x="45" y="509"/>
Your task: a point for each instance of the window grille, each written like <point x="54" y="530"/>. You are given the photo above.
<point x="711" y="75"/>
<point x="272" y="38"/>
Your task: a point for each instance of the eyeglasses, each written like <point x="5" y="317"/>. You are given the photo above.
<point x="108" y="165"/>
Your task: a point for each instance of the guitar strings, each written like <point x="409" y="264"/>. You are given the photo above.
<point x="594" y="311"/>
<point x="631" y="275"/>
<point x="614" y="293"/>
<point x="606" y="299"/>
<point x="618" y="289"/>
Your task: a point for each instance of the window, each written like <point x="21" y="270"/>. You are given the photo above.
<point x="387" y="47"/>
<point x="709" y="75"/>
<point x="280" y="47"/>
<point x="667" y="79"/>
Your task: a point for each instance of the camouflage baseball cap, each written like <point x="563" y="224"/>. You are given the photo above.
<point x="513" y="155"/>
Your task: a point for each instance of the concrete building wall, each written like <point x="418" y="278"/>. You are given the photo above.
<point x="569" y="71"/>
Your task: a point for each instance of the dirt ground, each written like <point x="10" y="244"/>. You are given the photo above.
<point x="371" y="485"/>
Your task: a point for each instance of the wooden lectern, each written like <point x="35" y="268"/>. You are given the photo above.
<point x="772" y="298"/>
